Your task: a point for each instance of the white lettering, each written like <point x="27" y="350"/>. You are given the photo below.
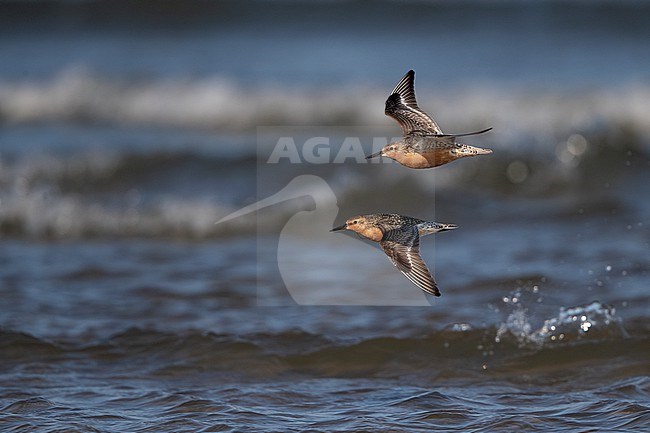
<point x="316" y="155"/>
<point x="351" y="148"/>
<point x="284" y="148"/>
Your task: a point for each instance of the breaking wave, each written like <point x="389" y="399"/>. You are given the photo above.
<point x="181" y="194"/>
<point x="219" y="103"/>
<point x="571" y="324"/>
<point x="271" y="353"/>
<point x="544" y="144"/>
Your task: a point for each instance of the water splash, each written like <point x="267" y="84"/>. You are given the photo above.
<point x="575" y="323"/>
<point x="594" y="320"/>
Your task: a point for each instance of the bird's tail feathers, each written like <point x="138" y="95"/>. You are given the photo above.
<point x="467" y="150"/>
<point x="431" y="227"/>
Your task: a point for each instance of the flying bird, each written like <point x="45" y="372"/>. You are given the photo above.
<point x="423" y="145"/>
<point x="399" y="237"/>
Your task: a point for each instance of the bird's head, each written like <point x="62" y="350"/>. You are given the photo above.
<point x="392" y="151"/>
<point x="363" y="226"/>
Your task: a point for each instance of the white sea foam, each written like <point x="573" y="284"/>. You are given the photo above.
<point x="43" y="195"/>
<point x="78" y="95"/>
<point x="570" y="324"/>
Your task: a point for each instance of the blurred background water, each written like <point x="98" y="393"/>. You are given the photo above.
<point x="127" y="129"/>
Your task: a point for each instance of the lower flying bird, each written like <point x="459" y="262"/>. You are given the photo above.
<point x="423" y="145"/>
<point x="399" y="237"/>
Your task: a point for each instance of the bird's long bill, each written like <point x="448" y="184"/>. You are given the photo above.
<point x="374" y="155"/>
<point x="336" y="229"/>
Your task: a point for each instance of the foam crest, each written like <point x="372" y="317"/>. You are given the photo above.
<point x="212" y="102"/>
<point x="519" y="116"/>
<point x="592" y="321"/>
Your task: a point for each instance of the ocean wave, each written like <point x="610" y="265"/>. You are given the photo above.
<point x="220" y="103"/>
<point x="77" y="95"/>
<point x="296" y="381"/>
<point x="296" y="350"/>
<point x="182" y="194"/>
<point x="545" y="144"/>
<point x="571" y="324"/>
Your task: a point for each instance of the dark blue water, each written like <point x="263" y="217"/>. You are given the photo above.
<point x="127" y="130"/>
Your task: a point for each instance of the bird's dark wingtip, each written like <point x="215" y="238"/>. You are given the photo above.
<point x="434" y="291"/>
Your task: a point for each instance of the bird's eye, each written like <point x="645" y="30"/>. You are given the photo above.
<point x="355" y="221"/>
<point x="392" y="148"/>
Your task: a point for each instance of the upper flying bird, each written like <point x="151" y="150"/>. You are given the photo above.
<point x="423" y="145"/>
<point x="399" y="237"/>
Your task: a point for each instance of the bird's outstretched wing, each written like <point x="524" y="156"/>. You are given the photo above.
<point x="465" y="134"/>
<point x="424" y="142"/>
<point x="402" y="246"/>
<point x="402" y="106"/>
